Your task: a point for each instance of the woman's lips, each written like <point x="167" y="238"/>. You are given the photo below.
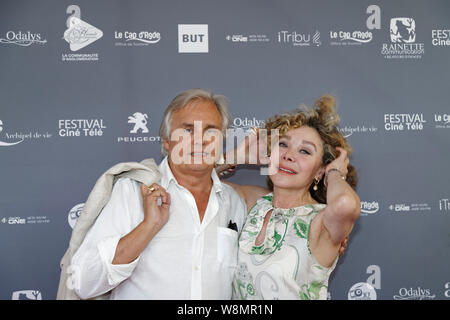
<point x="286" y="170"/>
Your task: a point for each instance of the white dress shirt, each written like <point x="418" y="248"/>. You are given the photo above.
<point x="187" y="259"/>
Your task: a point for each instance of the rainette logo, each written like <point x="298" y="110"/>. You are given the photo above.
<point x="79" y="34"/>
<point x="403" y="30"/>
<point x="403" y="40"/>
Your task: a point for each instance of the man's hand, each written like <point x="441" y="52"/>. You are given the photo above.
<point x="154" y="214"/>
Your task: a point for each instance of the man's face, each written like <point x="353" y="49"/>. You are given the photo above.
<point x="195" y="141"/>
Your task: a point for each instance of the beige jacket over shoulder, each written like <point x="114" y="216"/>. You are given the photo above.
<point x="146" y="172"/>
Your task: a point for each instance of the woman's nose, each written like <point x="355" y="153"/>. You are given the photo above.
<point x="288" y="156"/>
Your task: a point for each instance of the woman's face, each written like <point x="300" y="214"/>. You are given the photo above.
<point x="299" y="154"/>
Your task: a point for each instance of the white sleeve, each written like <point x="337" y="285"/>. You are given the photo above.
<point x="92" y="263"/>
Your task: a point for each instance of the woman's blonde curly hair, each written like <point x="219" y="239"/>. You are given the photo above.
<point x="324" y="119"/>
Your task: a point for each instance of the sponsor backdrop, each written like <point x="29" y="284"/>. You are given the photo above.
<point x="84" y="85"/>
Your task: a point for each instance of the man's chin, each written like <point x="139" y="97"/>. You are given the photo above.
<point x="201" y="162"/>
<point x="196" y="162"/>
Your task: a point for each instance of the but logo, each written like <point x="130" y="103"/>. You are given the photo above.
<point x="192" y="38"/>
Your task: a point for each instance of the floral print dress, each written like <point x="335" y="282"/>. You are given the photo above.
<point x="282" y="267"/>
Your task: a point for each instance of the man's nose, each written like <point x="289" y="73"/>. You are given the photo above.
<point x="198" y="140"/>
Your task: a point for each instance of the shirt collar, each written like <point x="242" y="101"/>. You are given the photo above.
<point x="167" y="177"/>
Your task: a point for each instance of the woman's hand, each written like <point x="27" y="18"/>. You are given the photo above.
<point x="252" y="150"/>
<point x="155" y="215"/>
<point x="340" y="163"/>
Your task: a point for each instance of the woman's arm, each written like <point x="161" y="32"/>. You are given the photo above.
<point x="247" y="152"/>
<point x="249" y="193"/>
<point x="343" y="207"/>
<point x="332" y="225"/>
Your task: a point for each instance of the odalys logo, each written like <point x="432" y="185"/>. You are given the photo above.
<point x="23" y="39"/>
<point x="414" y="294"/>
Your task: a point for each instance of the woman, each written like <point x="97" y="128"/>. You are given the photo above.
<point x="289" y="244"/>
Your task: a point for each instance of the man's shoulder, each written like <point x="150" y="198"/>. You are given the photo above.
<point x="230" y="192"/>
<point x="231" y="197"/>
<point x="127" y="184"/>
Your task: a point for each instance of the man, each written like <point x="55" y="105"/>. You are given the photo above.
<point x="170" y="240"/>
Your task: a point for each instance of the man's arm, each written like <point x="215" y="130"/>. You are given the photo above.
<point x="155" y="217"/>
<point x="120" y="219"/>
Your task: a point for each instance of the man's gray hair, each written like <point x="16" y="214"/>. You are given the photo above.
<point x="186" y="97"/>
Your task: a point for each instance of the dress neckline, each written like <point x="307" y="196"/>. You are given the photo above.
<point x="299" y="210"/>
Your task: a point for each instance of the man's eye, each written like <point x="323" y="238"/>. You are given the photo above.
<point x="282" y="144"/>
<point x="188" y="130"/>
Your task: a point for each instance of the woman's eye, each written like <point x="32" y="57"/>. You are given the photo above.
<point x="304" y="151"/>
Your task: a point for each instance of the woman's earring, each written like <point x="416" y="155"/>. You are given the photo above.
<point x="316" y="182"/>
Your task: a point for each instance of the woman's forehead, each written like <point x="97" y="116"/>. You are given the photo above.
<point x="303" y="133"/>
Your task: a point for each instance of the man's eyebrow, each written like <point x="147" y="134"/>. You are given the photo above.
<point x="212" y="126"/>
<point x="190" y="125"/>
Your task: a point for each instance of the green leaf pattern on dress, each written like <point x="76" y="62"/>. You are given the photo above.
<point x="286" y="226"/>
